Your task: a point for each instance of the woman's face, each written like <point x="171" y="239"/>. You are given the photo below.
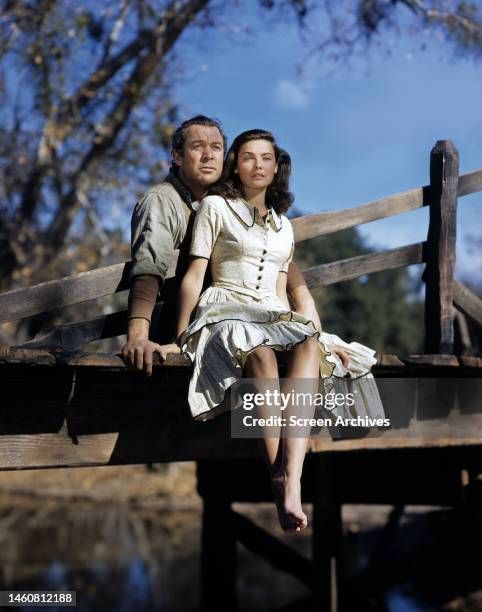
<point x="256" y="164"/>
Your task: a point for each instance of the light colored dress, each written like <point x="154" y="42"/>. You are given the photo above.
<point x="240" y="311"/>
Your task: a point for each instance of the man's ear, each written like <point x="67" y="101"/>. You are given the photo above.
<point x="176" y="157"/>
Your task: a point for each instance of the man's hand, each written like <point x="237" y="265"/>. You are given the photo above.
<point x="137" y="353"/>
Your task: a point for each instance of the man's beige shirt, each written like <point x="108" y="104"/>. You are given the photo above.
<point x="159" y="227"/>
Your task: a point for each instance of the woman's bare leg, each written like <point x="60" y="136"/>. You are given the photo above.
<point x="261" y="364"/>
<point x="302" y="373"/>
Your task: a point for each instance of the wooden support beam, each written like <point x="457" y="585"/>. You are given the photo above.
<point x="218" y="555"/>
<point x="440" y="253"/>
<point x="327" y="538"/>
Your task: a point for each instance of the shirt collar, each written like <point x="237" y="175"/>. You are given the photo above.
<point x="247" y="214"/>
<point x="182" y="189"/>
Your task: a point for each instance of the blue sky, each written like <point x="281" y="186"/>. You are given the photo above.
<point x="355" y="133"/>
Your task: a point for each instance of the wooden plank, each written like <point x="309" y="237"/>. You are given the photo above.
<point x="468" y="361"/>
<point x="468" y="302"/>
<point x="11" y="355"/>
<point x="55" y="450"/>
<point x="319" y="224"/>
<point x="37" y="357"/>
<point x="318" y="445"/>
<point x="348" y="269"/>
<point x="389" y="361"/>
<point x="440" y="252"/>
<point x="471" y="182"/>
<point x="76" y="336"/>
<point x="50" y="295"/>
<point x="66" y="291"/>
<point x="34" y="357"/>
<point x="433" y="361"/>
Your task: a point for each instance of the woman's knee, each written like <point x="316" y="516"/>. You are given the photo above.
<point x="262" y="360"/>
<point x="309" y="348"/>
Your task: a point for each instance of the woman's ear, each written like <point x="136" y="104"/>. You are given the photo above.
<point x="276" y="169"/>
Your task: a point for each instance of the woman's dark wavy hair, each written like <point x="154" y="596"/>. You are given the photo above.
<point x="277" y="193"/>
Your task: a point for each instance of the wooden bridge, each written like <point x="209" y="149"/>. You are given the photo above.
<point x="64" y="406"/>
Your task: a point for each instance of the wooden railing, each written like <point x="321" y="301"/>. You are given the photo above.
<point x="437" y="252"/>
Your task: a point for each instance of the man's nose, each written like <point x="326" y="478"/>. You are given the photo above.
<point x="207" y="153"/>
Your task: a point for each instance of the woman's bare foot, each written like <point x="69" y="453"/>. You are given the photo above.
<point x="287" y="493"/>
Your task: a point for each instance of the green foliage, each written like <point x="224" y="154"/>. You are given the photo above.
<point x="381" y="310"/>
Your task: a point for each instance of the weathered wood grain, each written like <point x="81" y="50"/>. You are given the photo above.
<point x="471" y="182"/>
<point x="468" y="302"/>
<point x="348" y="269"/>
<point x="440" y="251"/>
<point x="66" y="291"/>
<point x="319" y="224"/>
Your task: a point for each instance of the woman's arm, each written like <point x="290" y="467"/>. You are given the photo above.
<point x="190" y="291"/>
<point x="191" y="286"/>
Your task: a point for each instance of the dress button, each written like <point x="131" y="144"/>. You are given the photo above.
<point x="264" y="252"/>
<point x="261" y="260"/>
<point x="257" y="286"/>
<point x="259" y="278"/>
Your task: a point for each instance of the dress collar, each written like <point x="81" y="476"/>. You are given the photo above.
<point x="247" y="214"/>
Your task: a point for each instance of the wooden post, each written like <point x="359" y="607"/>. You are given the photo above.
<point x="440" y="255"/>
<point x="327" y="538"/>
<point x="218" y="555"/>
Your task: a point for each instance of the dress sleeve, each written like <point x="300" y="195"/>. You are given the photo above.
<point x="286" y="263"/>
<point x="156" y="226"/>
<point x="206" y="228"/>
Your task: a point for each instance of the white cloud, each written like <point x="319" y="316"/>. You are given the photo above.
<point x="290" y="95"/>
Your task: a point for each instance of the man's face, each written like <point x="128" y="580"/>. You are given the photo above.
<point x="202" y="162"/>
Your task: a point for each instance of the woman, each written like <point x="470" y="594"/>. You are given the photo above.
<point x="244" y="316"/>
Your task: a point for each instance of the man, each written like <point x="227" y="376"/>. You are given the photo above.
<point x="162" y="222"/>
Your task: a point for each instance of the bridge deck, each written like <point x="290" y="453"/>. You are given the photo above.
<point x="62" y="409"/>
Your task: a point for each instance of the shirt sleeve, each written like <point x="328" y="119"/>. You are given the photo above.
<point x="286" y="263"/>
<point x="206" y="228"/>
<point x="156" y="227"/>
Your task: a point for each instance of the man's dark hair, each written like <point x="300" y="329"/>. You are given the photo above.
<point x="178" y="138"/>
